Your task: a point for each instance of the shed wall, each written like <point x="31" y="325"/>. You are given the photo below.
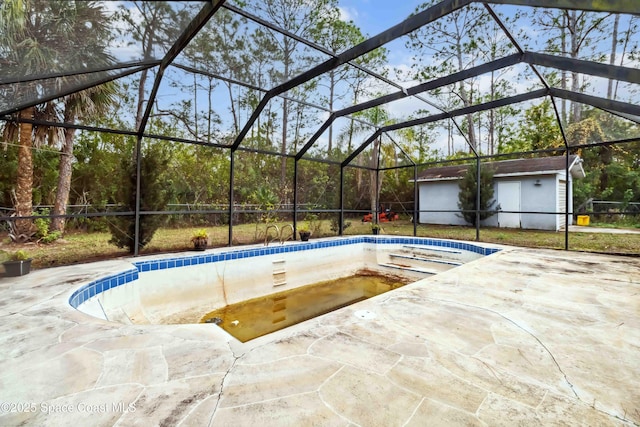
<point x="439" y="195"/>
<point x="443" y="195"/>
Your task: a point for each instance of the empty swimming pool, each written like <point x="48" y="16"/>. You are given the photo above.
<point x="182" y="289"/>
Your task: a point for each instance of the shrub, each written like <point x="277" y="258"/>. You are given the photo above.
<point x="467" y="198"/>
<point x="51" y="237"/>
<point x="155" y="193"/>
<point x="335" y="226"/>
<point x="42" y="228"/>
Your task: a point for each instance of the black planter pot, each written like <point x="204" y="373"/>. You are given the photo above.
<point x="304" y="235"/>
<point x="200" y="244"/>
<point x="375" y="231"/>
<point x="17" y="268"/>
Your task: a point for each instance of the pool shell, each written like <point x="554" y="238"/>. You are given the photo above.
<point x="180" y="289"/>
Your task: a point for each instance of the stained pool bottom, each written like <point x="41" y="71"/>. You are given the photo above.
<point x="260" y="316"/>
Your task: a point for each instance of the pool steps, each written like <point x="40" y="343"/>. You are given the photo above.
<point x="417" y="258"/>
<point x="424" y="259"/>
<point x="433" y="249"/>
<point x="406" y="268"/>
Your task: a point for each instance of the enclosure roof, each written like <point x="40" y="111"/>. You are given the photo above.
<point x="165" y="54"/>
<point x="517" y="167"/>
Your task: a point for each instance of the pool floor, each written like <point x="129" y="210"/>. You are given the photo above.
<point x="260" y="316"/>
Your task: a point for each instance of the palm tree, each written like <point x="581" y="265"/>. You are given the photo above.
<point x="36" y="40"/>
<point x="90" y="47"/>
<point x="90" y="102"/>
<point x="21" y="53"/>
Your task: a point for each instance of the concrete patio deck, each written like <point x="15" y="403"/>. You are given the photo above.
<point x="522" y="337"/>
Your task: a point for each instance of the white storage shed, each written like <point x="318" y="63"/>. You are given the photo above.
<point x="524" y="185"/>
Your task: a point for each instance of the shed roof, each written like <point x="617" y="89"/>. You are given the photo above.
<point x="517" y="167"/>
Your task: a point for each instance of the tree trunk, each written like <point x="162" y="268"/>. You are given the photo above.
<point x="466" y="101"/>
<point x="283" y="149"/>
<point x="148" y="38"/>
<point x="140" y="106"/>
<point x="298" y="126"/>
<point x="234" y="113"/>
<point x="492" y="118"/>
<point x="288" y="52"/>
<point x="627" y="38"/>
<point x="576" y="110"/>
<point x="373" y="181"/>
<point x="332" y="83"/>
<point x="612" y="58"/>
<point x="64" y="179"/>
<point x="449" y="138"/>
<point x="24" y="187"/>
<point x="210" y="109"/>
<point x="195" y="102"/>
<point x="563" y="74"/>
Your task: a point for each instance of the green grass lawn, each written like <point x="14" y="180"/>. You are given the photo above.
<point x="590" y="242"/>
<point x="79" y="247"/>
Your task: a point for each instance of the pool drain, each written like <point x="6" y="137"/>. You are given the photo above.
<point x="365" y="314"/>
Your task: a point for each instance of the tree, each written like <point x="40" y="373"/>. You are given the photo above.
<point x="156" y="191"/>
<point x="630" y="49"/>
<point x="24" y="48"/>
<point x="379" y="117"/>
<point x="222" y="52"/>
<point x="578" y="35"/>
<point x="336" y="36"/>
<point x="98" y="155"/>
<point x="493" y="45"/>
<point x="468" y="195"/>
<point x="156" y="26"/>
<point x="449" y="45"/>
<point x="538" y="131"/>
<point x="88" y="39"/>
<point x="44" y="37"/>
<point x="299" y="17"/>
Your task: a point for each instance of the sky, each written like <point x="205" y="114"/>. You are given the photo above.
<point x="374" y="16"/>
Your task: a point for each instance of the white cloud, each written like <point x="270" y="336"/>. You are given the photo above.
<point x="348" y="13"/>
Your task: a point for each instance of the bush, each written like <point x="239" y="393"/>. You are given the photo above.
<point x="335" y="227"/>
<point x="467" y="198"/>
<point x="51" y="237"/>
<point x="42" y="228"/>
<point x="155" y="193"/>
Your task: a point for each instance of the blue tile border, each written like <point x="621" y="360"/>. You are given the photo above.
<point x="94" y="288"/>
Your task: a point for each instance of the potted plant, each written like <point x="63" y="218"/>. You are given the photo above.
<point x="375" y="228"/>
<point x="304" y="233"/>
<point x="200" y="239"/>
<point x="18" y="264"/>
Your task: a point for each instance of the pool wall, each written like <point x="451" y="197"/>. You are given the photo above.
<point x="180" y="289"/>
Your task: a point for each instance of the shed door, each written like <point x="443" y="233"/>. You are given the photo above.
<point x="509" y="200"/>
<point x="562" y="202"/>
